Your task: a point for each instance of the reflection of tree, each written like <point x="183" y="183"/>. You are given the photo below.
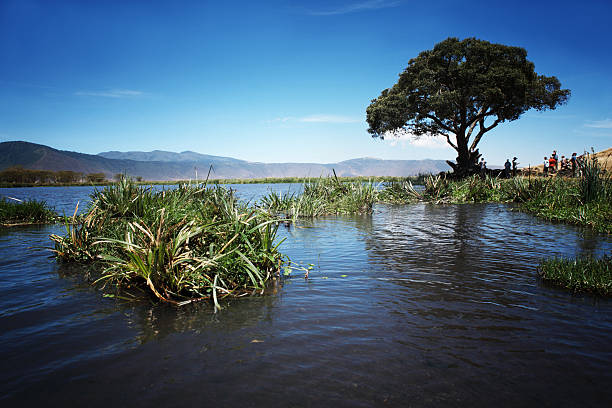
<point x="425" y="237"/>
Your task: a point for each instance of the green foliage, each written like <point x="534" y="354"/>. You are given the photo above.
<point x="552" y="198"/>
<point x="593" y="183"/>
<point x="398" y="192"/>
<point x="456" y="87"/>
<point x="185" y="244"/>
<point x="579" y="275"/>
<point x="323" y="196"/>
<point x="31" y="211"/>
<point x="95" y="177"/>
<point x="19" y="176"/>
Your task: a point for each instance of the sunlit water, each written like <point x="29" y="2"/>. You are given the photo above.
<point x="415" y="305"/>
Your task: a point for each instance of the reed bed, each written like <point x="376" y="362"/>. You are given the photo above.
<point x="399" y="192"/>
<point x="323" y="196"/>
<point x="183" y="245"/>
<point x="585" y="201"/>
<point x="14" y="211"/>
<point x="579" y="274"/>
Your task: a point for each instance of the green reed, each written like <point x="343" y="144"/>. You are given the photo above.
<point x="190" y="243"/>
<point x="593" y="183"/>
<point x="579" y="274"/>
<point x="586" y="201"/>
<point x="323" y="196"/>
<point x="399" y="192"/>
<point x="13" y="211"/>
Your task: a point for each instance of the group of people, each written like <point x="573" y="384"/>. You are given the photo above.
<point x="553" y="164"/>
<point x="510" y="169"/>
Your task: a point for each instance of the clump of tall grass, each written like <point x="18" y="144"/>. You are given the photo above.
<point x="473" y="189"/>
<point x="579" y="274"/>
<point x="593" y="184"/>
<point x="323" y="196"/>
<point x="190" y="243"/>
<point x="13" y="211"/>
<point x="399" y="192"/>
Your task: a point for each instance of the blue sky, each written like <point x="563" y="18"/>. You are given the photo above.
<point x="279" y="81"/>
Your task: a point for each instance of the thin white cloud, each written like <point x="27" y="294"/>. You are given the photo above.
<point x="322" y="118"/>
<point x="112" y="93"/>
<point x="402" y="137"/>
<point x="356" y="7"/>
<point x="329" y="119"/>
<point x="599" y="124"/>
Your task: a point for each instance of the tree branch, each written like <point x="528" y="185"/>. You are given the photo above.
<point x="482" y="131"/>
<point x="439" y="123"/>
<point x="473" y="125"/>
<point x="451" y="143"/>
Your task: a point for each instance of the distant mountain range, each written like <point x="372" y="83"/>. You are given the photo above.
<point x="166" y="166"/>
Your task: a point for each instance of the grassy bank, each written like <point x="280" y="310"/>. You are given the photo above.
<point x="25" y="212"/>
<point x="323" y="196"/>
<point x="585" y="201"/>
<point x="186" y="244"/>
<point x="579" y="275"/>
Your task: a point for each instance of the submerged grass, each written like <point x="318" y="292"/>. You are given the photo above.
<point x="323" y="196"/>
<point x="580" y="274"/>
<point x="13" y="211"/>
<point x="190" y="243"/>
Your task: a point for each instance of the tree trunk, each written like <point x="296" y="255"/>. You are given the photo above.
<point x="466" y="161"/>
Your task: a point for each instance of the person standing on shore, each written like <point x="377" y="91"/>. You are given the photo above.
<point x="555" y="158"/>
<point x="552" y="165"/>
<point x="574" y="162"/>
<point x="546" y="164"/>
<point x="507" y="167"/>
<point x="514" y="166"/>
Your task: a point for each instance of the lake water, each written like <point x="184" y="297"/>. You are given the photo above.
<point x="414" y="305"/>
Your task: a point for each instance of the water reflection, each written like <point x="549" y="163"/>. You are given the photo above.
<point x="412" y="305"/>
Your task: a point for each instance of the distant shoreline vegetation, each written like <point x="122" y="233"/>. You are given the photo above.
<point x="20" y="177"/>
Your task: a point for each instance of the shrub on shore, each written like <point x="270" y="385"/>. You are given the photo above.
<point x="190" y="243"/>
<point x="580" y="274"/>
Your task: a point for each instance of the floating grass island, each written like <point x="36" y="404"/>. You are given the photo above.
<point x="580" y="274"/>
<point x="17" y="212"/>
<point x="182" y="245"/>
<point x="323" y="196"/>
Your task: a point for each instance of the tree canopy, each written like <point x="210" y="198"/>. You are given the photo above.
<point x="462" y="90"/>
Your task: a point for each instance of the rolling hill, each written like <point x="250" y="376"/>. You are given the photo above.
<point x="163" y="165"/>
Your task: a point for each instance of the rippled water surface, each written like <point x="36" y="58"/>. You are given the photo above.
<point x="414" y="305"/>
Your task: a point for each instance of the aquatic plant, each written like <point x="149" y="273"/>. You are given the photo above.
<point x="323" y="196"/>
<point x="14" y="211"/>
<point x="579" y="274"/>
<point x="190" y="243"/>
<point x="399" y="192"/>
<point x="593" y="183"/>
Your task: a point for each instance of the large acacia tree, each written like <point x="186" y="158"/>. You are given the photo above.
<point x="462" y="90"/>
